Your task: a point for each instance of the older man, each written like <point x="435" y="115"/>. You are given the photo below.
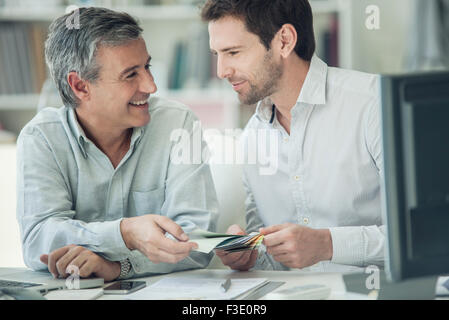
<point x="97" y="189"/>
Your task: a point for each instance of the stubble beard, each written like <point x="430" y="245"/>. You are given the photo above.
<point x="268" y="76"/>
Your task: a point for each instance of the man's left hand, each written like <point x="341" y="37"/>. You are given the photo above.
<point x="297" y="246"/>
<point x="87" y="262"/>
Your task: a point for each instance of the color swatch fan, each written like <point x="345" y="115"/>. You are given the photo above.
<point x="207" y="241"/>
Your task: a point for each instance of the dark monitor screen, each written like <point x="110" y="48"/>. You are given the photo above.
<point x="415" y="129"/>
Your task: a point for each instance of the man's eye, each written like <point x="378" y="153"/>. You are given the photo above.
<point x="131" y="75"/>
<point x="147" y="66"/>
<point x="233" y="53"/>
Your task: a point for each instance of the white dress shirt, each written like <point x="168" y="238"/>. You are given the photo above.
<point x="327" y="171"/>
<point x="68" y="192"/>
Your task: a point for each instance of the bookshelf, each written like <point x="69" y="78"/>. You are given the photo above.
<point x="142" y="12"/>
<point x="165" y="27"/>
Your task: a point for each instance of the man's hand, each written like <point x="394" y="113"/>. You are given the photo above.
<point x="243" y="260"/>
<point x="147" y="234"/>
<point x="87" y="262"/>
<point x="296" y="246"/>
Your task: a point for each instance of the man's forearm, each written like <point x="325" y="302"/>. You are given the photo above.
<point x="53" y="233"/>
<point x="125" y="227"/>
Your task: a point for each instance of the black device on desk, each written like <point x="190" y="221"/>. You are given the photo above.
<point x="124" y="287"/>
<point x="415" y="127"/>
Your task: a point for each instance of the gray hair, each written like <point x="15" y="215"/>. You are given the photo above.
<point x="69" y="48"/>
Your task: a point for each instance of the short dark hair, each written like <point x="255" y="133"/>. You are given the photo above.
<point x="264" y="18"/>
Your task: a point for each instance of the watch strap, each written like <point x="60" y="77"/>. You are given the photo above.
<point x="125" y="268"/>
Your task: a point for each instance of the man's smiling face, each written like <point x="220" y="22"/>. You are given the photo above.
<point x="119" y="97"/>
<point x="243" y="60"/>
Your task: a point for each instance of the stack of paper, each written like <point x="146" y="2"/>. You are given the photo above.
<point x="207" y="241"/>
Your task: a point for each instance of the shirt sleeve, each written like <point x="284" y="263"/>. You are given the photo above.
<point x="45" y="212"/>
<point x="190" y="197"/>
<point x="358" y="246"/>
<point x="364" y="245"/>
<point x="253" y="223"/>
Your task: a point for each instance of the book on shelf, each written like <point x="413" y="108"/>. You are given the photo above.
<point x="192" y="62"/>
<point x="8" y="77"/>
<point x="3" y="87"/>
<point x="38" y="34"/>
<point x="330" y="42"/>
<point x="6" y="136"/>
<point x="22" y="62"/>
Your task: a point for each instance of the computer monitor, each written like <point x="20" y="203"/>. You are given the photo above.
<point x="415" y="137"/>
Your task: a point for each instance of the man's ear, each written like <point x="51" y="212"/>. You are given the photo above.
<point x="287" y="38"/>
<point x="79" y="86"/>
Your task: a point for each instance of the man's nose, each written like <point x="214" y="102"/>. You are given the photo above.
<point x="223" y="70"/>
<point x="147" y="83"/>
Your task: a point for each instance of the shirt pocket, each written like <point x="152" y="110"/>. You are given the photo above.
<point x="147" y="202"/>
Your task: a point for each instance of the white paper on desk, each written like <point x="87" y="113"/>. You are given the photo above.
<point x="441" y="289"/>
<point x="175" y="288"/>
<point x="81" y="294"/>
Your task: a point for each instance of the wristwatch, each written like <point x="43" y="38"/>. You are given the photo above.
<point x="125" y="268"/>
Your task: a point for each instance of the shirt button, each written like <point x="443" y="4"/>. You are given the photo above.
<point x="286" y="139"/>
<point x="296" y="178"/>
<point x="305" y="220"/>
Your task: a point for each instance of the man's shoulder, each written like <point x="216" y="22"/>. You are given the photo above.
<point x="354" y="82"/>
<point x="48" y="119"/>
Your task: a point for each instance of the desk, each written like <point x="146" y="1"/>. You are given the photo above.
<point x="344" y="287"/>
<point x="291" y="278"/>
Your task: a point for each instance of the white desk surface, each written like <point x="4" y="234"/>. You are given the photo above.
<point x="291" y="278"/>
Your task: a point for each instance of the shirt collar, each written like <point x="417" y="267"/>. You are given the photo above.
<point x="82" y="139"/>
<point x="313" y="90"/>
<point x="265" y="110"/>
<point x="77" y="131"/>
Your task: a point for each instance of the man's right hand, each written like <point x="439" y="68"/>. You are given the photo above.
<point x="147" y="234"/>
<point x="243" y="260"/>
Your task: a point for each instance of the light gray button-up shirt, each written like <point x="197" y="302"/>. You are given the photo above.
<point x="328" y="168"/>
<point x="69" y="193"/>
